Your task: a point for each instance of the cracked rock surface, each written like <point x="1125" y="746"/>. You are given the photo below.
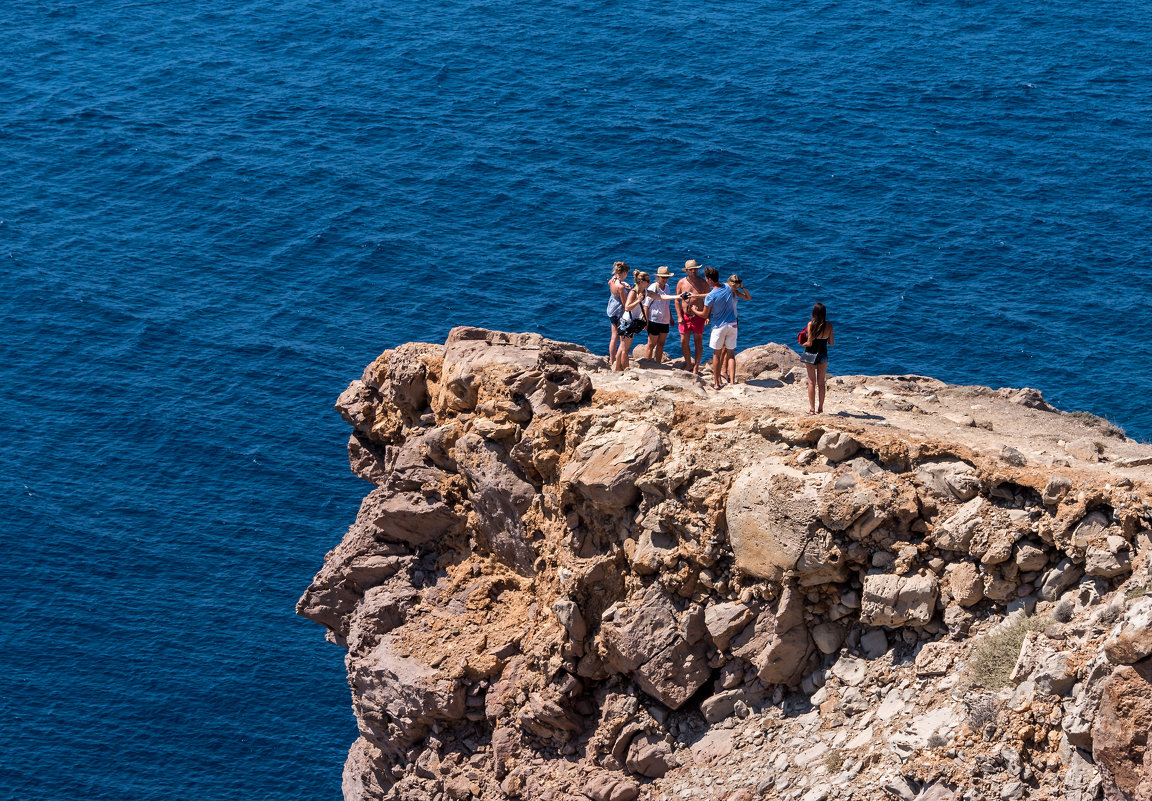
<point x="568" y="583"/>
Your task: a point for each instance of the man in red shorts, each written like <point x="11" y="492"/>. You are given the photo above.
<point x="691" y="314"/>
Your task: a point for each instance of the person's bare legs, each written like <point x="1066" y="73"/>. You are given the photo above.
<point x="623" y="353"/>
<point x="699" y="337"/>
<point x="649" y="347"/>
<point x="613" y="343"/>
<point x="717" y="367"/>
<point x="821" y="374"/>
<point x="730" y="364"/>
<point x="685" y="341"/>
<point x="811" y="388"/>
<point x="659" y="354"/>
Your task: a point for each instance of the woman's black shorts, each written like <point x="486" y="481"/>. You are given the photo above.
<point x="657" y="329"/>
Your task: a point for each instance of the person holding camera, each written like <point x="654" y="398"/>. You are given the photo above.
<point x="720" y="311"/>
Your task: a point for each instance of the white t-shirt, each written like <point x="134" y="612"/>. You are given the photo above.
<point x="659" y="311"/>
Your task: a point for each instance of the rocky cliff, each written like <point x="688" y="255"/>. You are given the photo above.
<point x="570" y="583"/>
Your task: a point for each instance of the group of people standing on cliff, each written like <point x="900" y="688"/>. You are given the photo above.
<point x="700" y="301"/>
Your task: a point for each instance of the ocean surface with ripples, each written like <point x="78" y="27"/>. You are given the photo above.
<point x="212" y="215"/>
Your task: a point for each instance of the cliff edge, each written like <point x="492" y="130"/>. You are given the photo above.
<point x="573" y="584"/>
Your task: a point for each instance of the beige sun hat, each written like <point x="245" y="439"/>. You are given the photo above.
<point x="663" y="272"/>
<point x="691" y="264"/>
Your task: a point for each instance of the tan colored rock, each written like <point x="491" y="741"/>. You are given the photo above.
<point x="725" y="620"/>
<point x="1056" y="488"/>
<point x="777" y="643"/>
<point x="606" y="468"/>
<point x="1088" y="450"/>
<point x="861" y="500"/>
<point x="773" y="524"/>
<point x="401" y="696"/>
<point x="645" y="640"/>
<point x="999" y="548"/>
<point x="955" y="533"/>
<point x="890" y="600"/>
<point x="950" y="480"/>
<point x="606" y="785"/>
<point x="770" y="361"/>
<point x="1120" y="733"/>
<point x="1080" y="714"/>
<point x="836" y="446"/>
<point x="934" y="659"/>
<point x="1130" y="640"/>
<point x="1114" y="559"/>
<point x="965" y="583"/>
<point x="1029" y="557"/>
<point x="650" y="756"/>
<point x="542" y="614"/>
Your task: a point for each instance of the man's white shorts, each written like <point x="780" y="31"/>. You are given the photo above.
<point x="723" y="336"/>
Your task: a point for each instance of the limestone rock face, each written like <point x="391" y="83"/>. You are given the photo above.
<point x="897" y="600"/>
<point x="500" y="499"/>
<point x="1131" y="640"/>
<point x="608" y="467"/>
<point x="647" y="641"/>
<point x="1120" y="734"/>
<point x="566" y="582"/>
<point x="774" y="525"/>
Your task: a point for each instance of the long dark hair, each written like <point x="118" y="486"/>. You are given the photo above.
<point x="817" y="323"/>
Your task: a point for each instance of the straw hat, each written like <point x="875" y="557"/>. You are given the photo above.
<point x="664" y="272"/>
<point x="691" y="264"/>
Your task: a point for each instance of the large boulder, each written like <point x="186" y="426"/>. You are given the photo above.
<point x="607" y="467"/>
<point x="645" y="639"/>
<point x="773" y="514"/>
<point x="398" y="697"/>
<point x="836" y="446"/>
<point x="777" y="643"/>
<point x="950" y="480"/>
<point x="768" y="361"/>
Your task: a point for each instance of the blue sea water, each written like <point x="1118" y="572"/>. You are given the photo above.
<point x="213" y="214"/>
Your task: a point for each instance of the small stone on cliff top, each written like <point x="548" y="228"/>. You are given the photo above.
<point x="836" y="446"/>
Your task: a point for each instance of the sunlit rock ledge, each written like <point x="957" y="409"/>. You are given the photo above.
<point x="572" y="583"/>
